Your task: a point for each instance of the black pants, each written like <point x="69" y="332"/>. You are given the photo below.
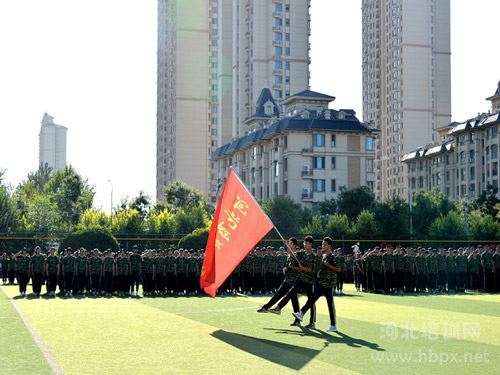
<point x="431" y="281"/>
<point x="108" y="282"/>
<point x="441" y="282"/>
<point x="68" y="281"/>
<point x="340" y="280"/>
<point x="135" y="280"/>
<point x="357" y="279"/>
<point x="37" y="283"/>
<point x="148" y="282"/>
<point x="328" y="293"/>
<point x="452" y="280"/>
<point x="399" y="280"/>
<point x="160" y="282"/>
<point x="280" y="293"/>
<point x="461" y="280"/>
<point x="4" y="275"/>
<point x="94" y="282"/>
<point x="51" y="282"/>
<point x="293" y="295"/>
<point x="23" y="279"/>
<point x="11" y="276"/>
<point x="81" y="283"/>
<point x="489" y="280"/>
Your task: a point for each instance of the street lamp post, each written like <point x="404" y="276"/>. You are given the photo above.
<point x="111" y="204"/>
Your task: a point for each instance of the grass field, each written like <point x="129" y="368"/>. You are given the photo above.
<point x="456" y="334"/>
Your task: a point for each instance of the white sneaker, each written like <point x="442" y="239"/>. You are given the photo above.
<point x="332" y="329"/>
<point x="298" y="315"/>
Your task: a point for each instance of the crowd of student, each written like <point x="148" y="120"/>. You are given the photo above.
<point x="176" y="271"/>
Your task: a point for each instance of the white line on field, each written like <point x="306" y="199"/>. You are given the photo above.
<point x="48" y="355"/>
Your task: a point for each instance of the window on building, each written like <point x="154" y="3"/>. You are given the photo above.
<point x="370" y="185"/>
<point x="472" y="173"/>
<point x="319" y="162"/>
<point x="334" y="186"/>
<point x="334" y="162"/>
<point x="287" y="51"/>
<point x="278" y="94"/>
<point x="278" y="51"/>
<point x="494" y="151"/>
<point x="287" y="37"/>
<point x="494" y="131"/>
<point x="287" y="65"/>
<point x="319" y="186"/>
<point x="278" y="65"/>
<point x="278" y="37"/>
<point x="278" y="7"/>
<point x="369" y="165"/>
<point x="278" y="80"/>
<point x="494" y="168"/>
<point x="318" y="140"/>
<point x="278" y="22"/>
<point x="334" y="140"/>
<point x="413" y="182"/>
<point x="370" y="143"/>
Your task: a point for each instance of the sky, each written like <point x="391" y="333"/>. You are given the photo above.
<point x="92" y="65"/>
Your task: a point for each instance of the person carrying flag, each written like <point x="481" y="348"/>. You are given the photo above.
<point x="327" y="278"/>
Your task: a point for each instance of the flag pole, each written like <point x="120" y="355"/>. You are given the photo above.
<point x="274" y="226"/>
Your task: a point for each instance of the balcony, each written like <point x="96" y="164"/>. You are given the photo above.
<point x="307" y="196"/>
<point x="307" y="172"/>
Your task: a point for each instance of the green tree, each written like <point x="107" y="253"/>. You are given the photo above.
<point x="196" y="240"/>
<point x="314" y="228"/>
<point x="127" y="221"/>
<point x="179" y="195"/>
<point x="190" y="218"/>
<point x="286" y="215"/>
<point x="338" y="226"/>
<point x="71" y="194"/>
<point x="483" y="227"/>
<point x="365" y="227"/>
<point x="352" y="202"/>
<point x="94" y="219"/>
<point x="448" y="227"/>
<point x="42" y="216"/>
<point x="90" y="239"/>
<point x="10" y="219"/>
<point x="327" y="207"/>
<point x="393" y="219"/>
<point x="427" y="207"/>
<point x="162" y="222"/>
<point x="488" y="201"/>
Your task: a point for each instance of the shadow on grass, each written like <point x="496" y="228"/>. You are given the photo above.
<point x="291" y="356"/>
<point x="334" y="338"/>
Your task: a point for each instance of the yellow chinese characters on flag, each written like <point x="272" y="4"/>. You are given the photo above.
<point x="239" y="224"/>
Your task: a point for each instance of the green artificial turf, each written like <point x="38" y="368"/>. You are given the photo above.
<point x="377" y="334"/>
<point x="18" y="352"/>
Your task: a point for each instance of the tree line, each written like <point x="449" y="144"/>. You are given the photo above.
<point x="48" y="203"/>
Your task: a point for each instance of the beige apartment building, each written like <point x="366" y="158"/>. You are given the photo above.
<point x="214" y="58"/>
<point x="465" y="164"/>
<point x="406" y="81"/>
<point x="306" y="151"/>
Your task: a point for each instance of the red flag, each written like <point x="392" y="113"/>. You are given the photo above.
<point x="239" y="224"/>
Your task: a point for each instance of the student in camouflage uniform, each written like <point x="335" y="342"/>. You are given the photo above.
<point x="122" y="273"/>
<point x="148" y="270"/>
<point x="4" y="263"/>
<point x="441" y="267"/>
<point x="473" y="261"/>
<point x="326" y="282"/>
<point x="340" y="261"/>
<point x="52" y="272"/>
<point x="22" y="270"/>
<point x="81" y="266"/>
<point x="69" y="271"/>
<point x="135" y="270"/>
<point x="109" y="272"/>
<point x="488" y="266"/>
<point x="36" y="271"/>
<point x="399" y="265"/>
<point x="11" y="273"/>
<point x="95" y="270"/>
<point x="160" y="273"/>
<point x="496" y="261"/>
<point x="432" y="267"/>
<point x="307" y="272"/>
<point x="420" y="270"/>
<point x="170" y="271"/>
<point x="461" y="261"/>
<point x="451" y="271"/>
<point x="358" y="272"/>
<point x="409" y="262"/>
<point x="389" y="269"/>
<point x="193" y="274"/>
<point x="291" y="277"/>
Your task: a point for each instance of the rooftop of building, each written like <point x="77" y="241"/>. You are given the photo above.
<point x="343" y="120"/>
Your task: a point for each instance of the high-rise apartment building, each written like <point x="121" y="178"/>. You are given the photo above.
<point x="214" y="59"/>
<point x="52" y="144"/>
<point x="184" y="136"/>
<point x="406" y="81"/>
<point x="270" y="49"/>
